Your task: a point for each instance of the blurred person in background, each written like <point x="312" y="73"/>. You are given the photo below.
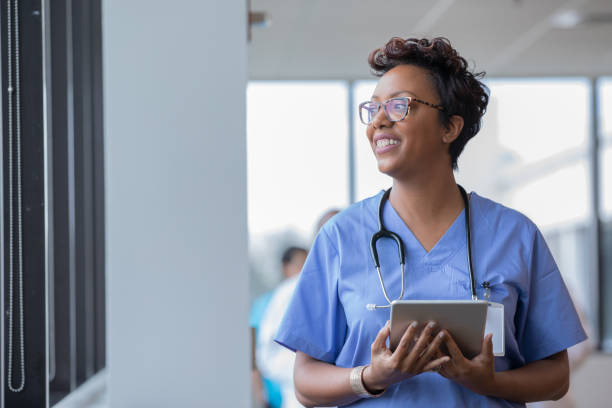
<point x="267" y="393"/>
<point x="324" y="218"/>
<point x="274" y="362"/>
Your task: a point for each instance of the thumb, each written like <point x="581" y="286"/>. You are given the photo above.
<point x="487" y="345"/>
<point x="381" y="338"/>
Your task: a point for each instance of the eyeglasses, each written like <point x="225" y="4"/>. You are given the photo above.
<point x="395" y="109"/>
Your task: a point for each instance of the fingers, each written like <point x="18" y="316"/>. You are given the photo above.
<point x="404" y="345"/>
<point x="422" y="342"/>
<point x="452" y="347"/>
<point x="436" y="363"/>
<point x="445" y="369"/>
<point x="445" y="372"/>
<point x="432" y="351"/>
<point x="379" y="343"/>
<point x="487" y="346"/>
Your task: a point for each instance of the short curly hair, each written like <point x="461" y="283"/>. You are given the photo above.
<point x="461" y="92"/>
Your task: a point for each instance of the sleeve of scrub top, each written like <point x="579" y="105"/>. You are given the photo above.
<point x="549" y="320"/>
<point x="315" y="323"/>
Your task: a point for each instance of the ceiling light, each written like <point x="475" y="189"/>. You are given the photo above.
<point x="566" y="19"/>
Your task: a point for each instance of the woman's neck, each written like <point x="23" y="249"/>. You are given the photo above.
<point x="432" y="200"/>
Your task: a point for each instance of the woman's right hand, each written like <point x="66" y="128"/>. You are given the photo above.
<point x="387" y="368"/>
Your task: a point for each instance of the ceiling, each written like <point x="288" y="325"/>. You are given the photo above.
<point x="331" y="39"/>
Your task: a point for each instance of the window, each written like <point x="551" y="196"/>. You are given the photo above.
<point x="541" y="118"/>
<point x="557" y="198"/>
<point x="297" y="138"/>
<point x="535" y="140"/>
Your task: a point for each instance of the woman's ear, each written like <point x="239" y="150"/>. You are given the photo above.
<point x="453" y="129"/>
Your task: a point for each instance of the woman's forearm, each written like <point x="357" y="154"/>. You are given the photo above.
<point x="541" y="380"/>
<point x="321" y="384"/>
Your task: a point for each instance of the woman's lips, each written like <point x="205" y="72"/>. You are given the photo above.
<point x="384" y="145"/>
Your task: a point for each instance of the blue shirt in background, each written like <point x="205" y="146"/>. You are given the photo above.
<point x="271" y="389"/>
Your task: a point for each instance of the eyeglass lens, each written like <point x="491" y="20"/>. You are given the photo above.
<point x="395" y="110"/>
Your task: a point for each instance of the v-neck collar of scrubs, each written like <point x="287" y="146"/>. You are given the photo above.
<point x="453" y="240"/>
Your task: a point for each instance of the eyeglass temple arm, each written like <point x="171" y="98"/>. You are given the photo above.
<point x="433" y="105"/>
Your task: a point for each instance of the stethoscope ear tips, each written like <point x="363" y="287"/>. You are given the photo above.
<point x="371" y="306"/>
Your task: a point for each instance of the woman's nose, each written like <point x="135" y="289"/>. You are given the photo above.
<point x="380" y="119"/>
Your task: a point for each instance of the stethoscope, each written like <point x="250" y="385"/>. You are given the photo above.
<point x="385" y="233"/>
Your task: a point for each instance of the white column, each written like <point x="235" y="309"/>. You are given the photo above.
<point x="175" y="75"/>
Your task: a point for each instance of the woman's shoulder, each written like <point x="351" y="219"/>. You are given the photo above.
<point x="500" y="217"/>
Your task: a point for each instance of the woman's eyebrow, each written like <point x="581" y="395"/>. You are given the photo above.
<point x="394" y="94"/>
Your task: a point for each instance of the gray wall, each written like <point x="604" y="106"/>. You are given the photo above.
<point x="174" y="90"/>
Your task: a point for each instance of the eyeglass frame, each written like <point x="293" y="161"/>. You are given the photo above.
<point x="409" y="99"/>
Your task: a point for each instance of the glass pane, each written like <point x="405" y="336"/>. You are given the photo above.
<point x="368" y="180"/>
<point x="561" y="197"/>
<point x="297" y="166"/>
<point x="572" y="249"/>
<point x="540" y="118"/>
<point x="605" y="99"/>
<point x="297" y="153"/>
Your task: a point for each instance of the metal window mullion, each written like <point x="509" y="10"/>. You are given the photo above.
<point x="98" y="171"/>
<point x="351" y="141"/>
<point x="71" y="192"/>
<point x="596" y="225"/>
<point x="48" y="193"/>
<point x="83" y="191"/>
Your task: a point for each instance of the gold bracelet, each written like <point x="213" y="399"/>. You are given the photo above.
<point x="356" y="380"/>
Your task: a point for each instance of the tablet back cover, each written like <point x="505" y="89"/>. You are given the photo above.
<point x="465" y="320"/>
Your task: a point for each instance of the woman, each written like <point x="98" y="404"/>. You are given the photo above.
<point x="425" y="108"/>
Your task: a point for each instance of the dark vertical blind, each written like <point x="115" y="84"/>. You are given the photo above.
<point x="75" y="331"/>
<point x="21" y="27"/>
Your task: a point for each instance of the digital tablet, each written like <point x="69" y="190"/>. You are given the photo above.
<point x="463" y="319"/>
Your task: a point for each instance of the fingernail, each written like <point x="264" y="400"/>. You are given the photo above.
<point x="388" y="321"/>
<point x="414" y="324"/>
<point x="442" y="335"/>
<point x="431" y="325"/>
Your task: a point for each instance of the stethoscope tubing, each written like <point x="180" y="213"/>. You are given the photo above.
<point x="383" y="232"/>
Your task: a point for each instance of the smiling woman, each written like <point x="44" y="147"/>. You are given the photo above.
<point x="440" y="73"/>
<point x="424" y="108"/>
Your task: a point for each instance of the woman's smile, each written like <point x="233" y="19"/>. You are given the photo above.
<point x="385" y="142"/>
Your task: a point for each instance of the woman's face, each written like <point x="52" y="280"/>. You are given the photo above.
<point x="419" y="139"/>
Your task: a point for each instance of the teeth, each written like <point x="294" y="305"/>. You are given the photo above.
<point x="386" y="142"/>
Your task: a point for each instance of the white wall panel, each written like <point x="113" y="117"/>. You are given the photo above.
<point x="175" y="79"/>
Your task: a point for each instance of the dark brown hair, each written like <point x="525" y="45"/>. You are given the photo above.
<point x="461" y="92"/>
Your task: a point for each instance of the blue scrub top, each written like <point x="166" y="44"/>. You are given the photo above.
<point x="328" y="320"/>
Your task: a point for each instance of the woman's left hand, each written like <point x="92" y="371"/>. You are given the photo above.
<point x="477" y="374"/>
